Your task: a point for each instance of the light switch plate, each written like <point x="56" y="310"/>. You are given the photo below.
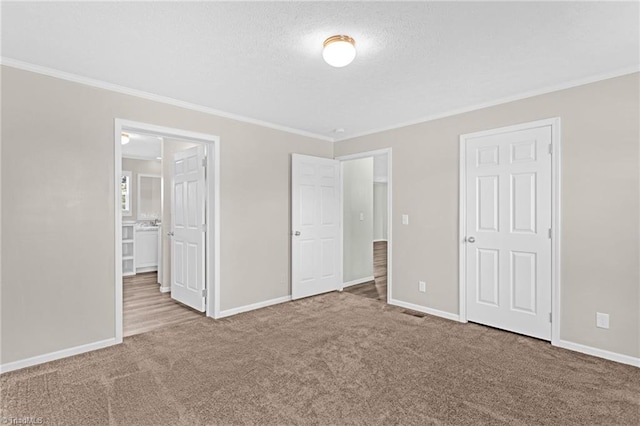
<point x="405" y="219"/>
<point x="602" y="320"/>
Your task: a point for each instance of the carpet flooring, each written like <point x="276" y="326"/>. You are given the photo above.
<point x="332" y="359"/>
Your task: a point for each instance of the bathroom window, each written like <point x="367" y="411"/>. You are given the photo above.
<point x="125" y="190"/>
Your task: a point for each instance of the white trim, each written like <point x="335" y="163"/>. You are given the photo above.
<point x="165" y="289"/>
<point x="600" y="353"/>
<point x="358" y="281"/>
<point x="52" y="356"/>
<point x="556" y="226"/>
<point x="366" y="154"/>
<point x="388" y="152"/>
<point x="530" y="94"/>
<point x="213" y="219"/>
<point x="554" y="123"/>
<point x="253" y="306"/>
<point x="14" y="63"/>
<point x="213" y="169"/>
<point x="424" y="309"/>
<point x="117" y="160"/>
<point x="380" y="240"/>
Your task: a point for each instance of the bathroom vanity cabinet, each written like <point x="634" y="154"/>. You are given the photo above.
<point x="146" y="249"/>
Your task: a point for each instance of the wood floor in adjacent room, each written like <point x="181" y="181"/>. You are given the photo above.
<point x="376" y="289"/>
<point x="146" y="309"/>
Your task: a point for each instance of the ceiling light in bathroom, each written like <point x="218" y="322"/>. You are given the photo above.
<point x="339" y="50"/>
<point x="124" y="138"/>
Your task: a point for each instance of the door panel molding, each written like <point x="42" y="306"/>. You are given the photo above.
<point x="315" y="235"/>
<point x="519" y="153"/>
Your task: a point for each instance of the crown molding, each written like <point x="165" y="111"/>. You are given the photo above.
<point x="529" y="94"/>
<point x="51" y="72"/>
<point x="14" y="63"/>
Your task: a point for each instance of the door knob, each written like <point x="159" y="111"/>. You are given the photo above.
<point x="471" y="240"/>
<point x="297" y="233"/>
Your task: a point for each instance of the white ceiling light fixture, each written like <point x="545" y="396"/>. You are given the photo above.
<point x="339" y="50"/>
<point x="124" y="138"/>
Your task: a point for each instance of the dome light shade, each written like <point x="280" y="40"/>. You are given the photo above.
<point x="339" y="50"/>
<point x="124" y="138"/>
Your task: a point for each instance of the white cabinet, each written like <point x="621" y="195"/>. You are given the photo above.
<point x="128" y="249"/>
<point x="146" y="250"/>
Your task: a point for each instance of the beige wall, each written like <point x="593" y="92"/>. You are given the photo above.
<point x="600" y="212"/>
<point x="357" y="199"/>
<point x="380" y="211"/>
<point x="149" y="167"/>
<point x="57" y="213"/>
<point x="57" y="202"/>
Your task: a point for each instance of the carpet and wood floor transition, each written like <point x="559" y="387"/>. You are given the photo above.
<point x="332" y="359"/>
<point x="146" y="309"/>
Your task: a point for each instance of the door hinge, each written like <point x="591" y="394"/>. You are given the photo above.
<point x="551" y="149"/>
<point x="204" y="227"/>
<point x="549" y="232"/>
<point x="204" y="161"/>
<point x="550" y="317"/>
<point x="204" y="292"/>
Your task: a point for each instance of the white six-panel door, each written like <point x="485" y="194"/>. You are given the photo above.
<point x="508" y="231"/>
<point x="188" y="240"/>
<point x="315" y="217"/>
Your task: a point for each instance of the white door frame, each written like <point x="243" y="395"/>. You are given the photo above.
<point x="555" y="217"/>
<point x="212" y="205"/>
<point x="357" y="156"/>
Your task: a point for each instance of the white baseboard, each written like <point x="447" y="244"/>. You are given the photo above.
<point x="165" y="289"/>
<point x="52" y="356"/>
<point x="600" y="353"/>
<point x="430" y="311"/>
<point x="146" y="269"/>
<point x="358" y="281"/>
<point x="253" y="306"/>
<point x="380" y="241"/>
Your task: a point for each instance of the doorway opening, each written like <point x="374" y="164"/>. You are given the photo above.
<point x="366" y="224"/>
<point x="167" y="226"/>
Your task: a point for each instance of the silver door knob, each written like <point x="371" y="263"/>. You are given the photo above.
<point x="297" y="233"/>
<point x="170" y="234"/>
<point x="471" y="240"/>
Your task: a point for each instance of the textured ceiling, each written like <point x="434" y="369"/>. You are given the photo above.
<point x="262" y="60"/>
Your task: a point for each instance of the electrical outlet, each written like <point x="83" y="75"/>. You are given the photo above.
<point x="423" y="286"/>
<point x="602" y="320"/>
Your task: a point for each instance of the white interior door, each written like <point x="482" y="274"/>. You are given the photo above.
<point x="188" y="240"/>
<point x="315" y="217"/>
<point x="508" y="231"/>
